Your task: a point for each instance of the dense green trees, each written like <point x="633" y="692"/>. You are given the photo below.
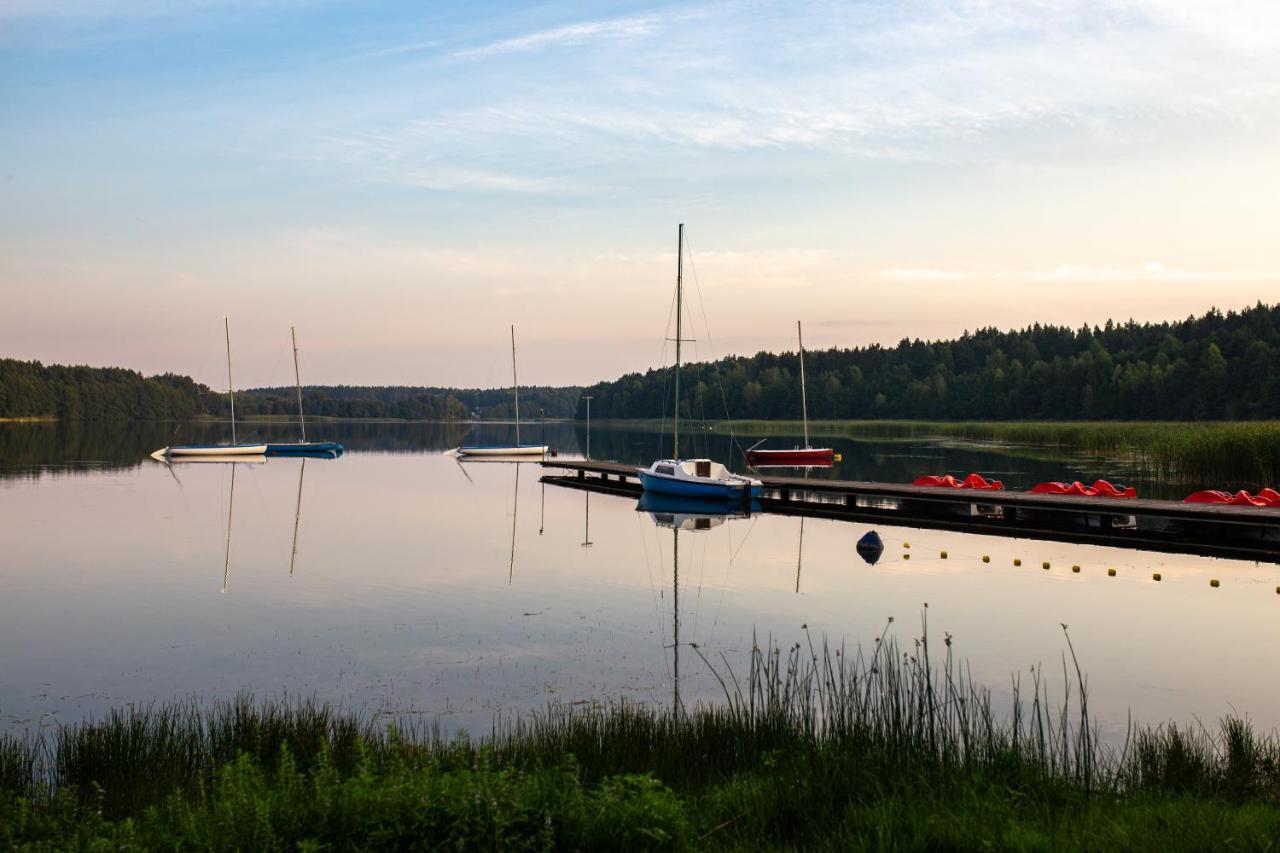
<point x="413" y="402"/>
<point x="1219" y="366"/>
<point x="1222" y="366"/>
<point x="29" y="389"/>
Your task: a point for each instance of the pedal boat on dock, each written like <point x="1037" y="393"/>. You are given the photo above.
<point x="698" y="478"/>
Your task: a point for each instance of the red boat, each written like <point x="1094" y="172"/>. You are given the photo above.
<point x="796" y="457"/>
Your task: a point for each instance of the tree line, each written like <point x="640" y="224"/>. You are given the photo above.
<point x="29" y="389"/>
<point x="1213" y="367"/>
<point x="1219" y="366"/>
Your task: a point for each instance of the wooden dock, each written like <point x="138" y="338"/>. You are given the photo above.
<point x="1158" y="525"/>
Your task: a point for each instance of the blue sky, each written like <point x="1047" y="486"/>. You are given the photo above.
<point x="403" y="180"/>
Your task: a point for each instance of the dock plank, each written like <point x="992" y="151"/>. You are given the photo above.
<point x="1216" y="513"/>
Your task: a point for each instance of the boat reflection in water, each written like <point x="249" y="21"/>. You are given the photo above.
<point x="690" y="515"/>
<point x="515" y="461"/>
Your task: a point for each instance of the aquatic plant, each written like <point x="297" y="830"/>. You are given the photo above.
<point x="812" y="745"/>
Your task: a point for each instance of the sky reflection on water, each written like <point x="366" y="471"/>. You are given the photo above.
<point x="409" y="595"/>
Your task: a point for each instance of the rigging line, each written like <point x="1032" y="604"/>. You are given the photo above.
<point x="666" y="376"/>
<point x="659" y="616"/>
<point x="724" y="584"/>
<point x="715" y="368"/>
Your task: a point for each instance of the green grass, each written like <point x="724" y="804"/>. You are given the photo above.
<point x="812" y="748"/>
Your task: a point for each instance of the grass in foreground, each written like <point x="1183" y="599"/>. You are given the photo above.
<point x="816" y="748"/>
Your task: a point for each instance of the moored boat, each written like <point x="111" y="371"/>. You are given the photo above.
<point x="692" y="478"/>
<point x="232" y="449"/>
<point x="504" y="450"/>
<point x="315" y="449"/>
<point x="796" y="457"/>
<point x="516" y="449"/>
<point x="213" y="453"/>
<point x="697" y="478"/>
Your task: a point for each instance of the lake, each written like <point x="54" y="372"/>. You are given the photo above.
<point x="400" y="582"/>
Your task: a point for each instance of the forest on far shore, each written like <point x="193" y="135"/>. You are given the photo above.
<point x="1219" y="366"/>
<point x="29" y="389"/>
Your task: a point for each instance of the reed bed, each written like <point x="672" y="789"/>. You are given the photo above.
<point x="1230" y="453"/>
<point x="812" y="746"/>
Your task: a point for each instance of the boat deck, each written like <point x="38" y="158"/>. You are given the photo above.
<point x="1160" y="525"/>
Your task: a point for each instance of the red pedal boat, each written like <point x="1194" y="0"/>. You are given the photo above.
<point x="796" y="457"/>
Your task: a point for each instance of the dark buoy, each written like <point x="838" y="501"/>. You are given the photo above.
<point x="870" y="547"/>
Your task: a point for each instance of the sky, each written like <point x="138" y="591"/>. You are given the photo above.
<point x="402" y="181"/>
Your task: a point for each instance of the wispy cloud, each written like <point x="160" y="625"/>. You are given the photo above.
<point x="1153" y="271"/>
<point x="570" y="34"/>
<point x="1148" y="271"/>
<point x="924" y="275"/>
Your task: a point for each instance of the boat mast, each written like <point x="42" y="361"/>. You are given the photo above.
<point x="297" y="515"/>
<point x="804" y="403"/>
<point x="231" y="394"/>
<point x="675" y="622"/>
<point x="231" y="508"/>
<point x="515" y="383"/>
<point x="297" y="381"/>
<point x="679" y="304"/>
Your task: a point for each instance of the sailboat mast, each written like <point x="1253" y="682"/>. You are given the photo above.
<point x="231" y="393"/>
<point x="297" y="515"/>
<point x="515" y="383"/>
<point x="297" y="381"/>
<point x="679" y="306"/>
<point x="804" y="402"/>
<point x="675" y="622"/>
<point x="231" y="508"/>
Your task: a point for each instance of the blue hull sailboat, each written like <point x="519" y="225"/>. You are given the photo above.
<point x="314" y="449"/>
<point x="693" y="478"/>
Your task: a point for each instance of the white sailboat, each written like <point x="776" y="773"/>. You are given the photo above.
<point x="517" y="449"/>
<point x="217" y="450"/>
<point x="692" y="478"/>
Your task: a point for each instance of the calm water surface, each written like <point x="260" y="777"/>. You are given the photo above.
<point x="418" y="586"/>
